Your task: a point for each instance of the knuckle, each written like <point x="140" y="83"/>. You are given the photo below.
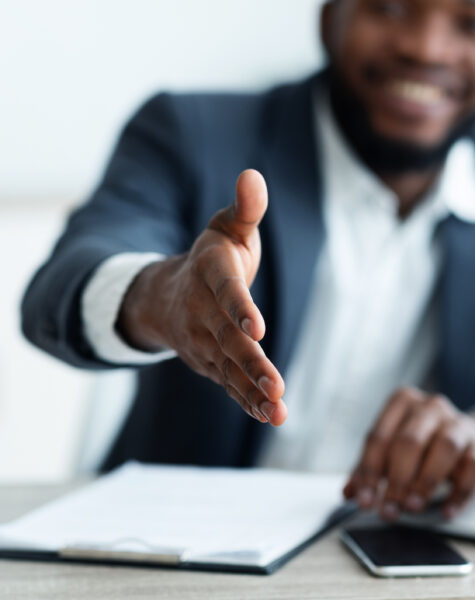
<point x="207" y="260"/>
<point x="214" y="374"/>
<point x="408" y="440"/>
<point x="202" y="260"/>
<point x="449" y="442"/>
<point x="404" y="392"/>
<point x="439" y="403"/>
<point x="250" y="366"/>
<point x="258" y="415"/>
<point x="406" y="395"/>
<point x="193" y="302"/>
<point x="223" y="287"/>
<point x="377" y="438"/>
<point x="253" y="395"/>
<point x="217" y="357"/>
<point x="224" y="332"/>
<point x="235" y="309"/>
<point x="230" y="391"/>
<point x="226" y="368"/>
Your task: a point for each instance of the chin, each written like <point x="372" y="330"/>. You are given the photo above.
<point x="421" y="136"/>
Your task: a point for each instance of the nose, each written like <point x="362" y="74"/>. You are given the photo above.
<point x="428" y="40"/>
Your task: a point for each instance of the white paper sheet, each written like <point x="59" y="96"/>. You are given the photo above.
<point x="249" y="516"/>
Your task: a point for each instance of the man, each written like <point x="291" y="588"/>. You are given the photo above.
<point x="361" y="266"/>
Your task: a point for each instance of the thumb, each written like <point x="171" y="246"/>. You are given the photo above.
<point x="242" y="218"/>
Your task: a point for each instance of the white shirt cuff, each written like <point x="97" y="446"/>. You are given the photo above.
<point x="100" y="304"/>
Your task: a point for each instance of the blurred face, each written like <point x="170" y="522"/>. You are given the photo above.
<point x="409" y="63"/>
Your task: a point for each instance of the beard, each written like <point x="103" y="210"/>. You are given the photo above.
<point x="382" y="154"/>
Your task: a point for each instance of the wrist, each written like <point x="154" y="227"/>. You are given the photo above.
<point x="143" y="318"/>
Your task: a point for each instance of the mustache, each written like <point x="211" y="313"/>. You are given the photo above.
<point x="384" y="155"/>
<point x="452" y="83"/>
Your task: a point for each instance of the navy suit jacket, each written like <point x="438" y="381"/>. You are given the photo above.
<point x="174" y="166"/>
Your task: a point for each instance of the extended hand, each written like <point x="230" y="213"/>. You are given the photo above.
<point x="199" y="304"/>
<point x="418" y="442"/>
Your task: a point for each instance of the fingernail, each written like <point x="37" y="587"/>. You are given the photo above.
<point x="365" y="497"/>
<point x="390" y="511"/>
<point x="267" y="409"/>
<point x="265" y="385"/>
<point x="246" y="325"/>
<point x="415" y="502"/>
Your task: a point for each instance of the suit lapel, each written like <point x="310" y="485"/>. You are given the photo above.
<point x="458" y="312"/>
<point x="294" y="220"/>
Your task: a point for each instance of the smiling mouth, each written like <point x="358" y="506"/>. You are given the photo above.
<point x="424" y="94"/>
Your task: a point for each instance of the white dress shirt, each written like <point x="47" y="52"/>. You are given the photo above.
<point x="370" y="324"/>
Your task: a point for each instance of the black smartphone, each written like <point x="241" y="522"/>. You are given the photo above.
<point x="400" y="551"/>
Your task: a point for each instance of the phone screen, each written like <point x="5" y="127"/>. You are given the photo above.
<point x="397" y="545"/>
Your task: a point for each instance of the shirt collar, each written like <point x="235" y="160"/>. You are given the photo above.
<point x="457" y="183"/>
<point x="454" y="192"/>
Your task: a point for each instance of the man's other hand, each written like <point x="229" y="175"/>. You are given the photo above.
<point x="199" y="304"/>
<point x="418" y="442"/>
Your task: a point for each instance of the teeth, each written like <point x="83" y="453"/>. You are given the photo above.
<point x="423" y="93"/>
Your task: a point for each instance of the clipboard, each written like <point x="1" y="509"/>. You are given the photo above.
<point x="153" y="479"/>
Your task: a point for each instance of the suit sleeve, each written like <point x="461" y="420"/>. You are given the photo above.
<point x="143" y="204"/>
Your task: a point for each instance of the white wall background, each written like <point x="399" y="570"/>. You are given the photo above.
<point x="70" y="73"/>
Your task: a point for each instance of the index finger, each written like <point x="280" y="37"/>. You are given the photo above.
<point x="233" y="296"/>
<point x="408" y="453"/>
<point x="370" y="469"/>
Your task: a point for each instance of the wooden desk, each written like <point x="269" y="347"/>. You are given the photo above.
<point x="324" y="570"/>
